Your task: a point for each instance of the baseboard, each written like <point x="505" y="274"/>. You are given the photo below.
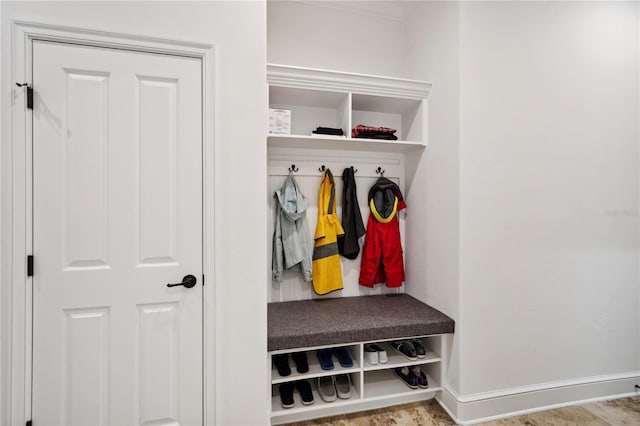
<point x="482" y="407"/>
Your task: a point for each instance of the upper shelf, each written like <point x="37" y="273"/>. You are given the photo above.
<point x="341" y="143"/>
<point x="321" y="98"/>
<point x="337" y="81"/>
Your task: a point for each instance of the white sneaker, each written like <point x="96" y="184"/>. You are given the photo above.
<point x="371" y="355"/>
<point x="382" y="354"/>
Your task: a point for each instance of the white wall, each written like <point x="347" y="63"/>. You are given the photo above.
<point x="432" y="49"/>
<point x="531" y="181"/>
<point x="549" y="273"/>
<point x="362" y="37"/>
<point x="238" y="31"/>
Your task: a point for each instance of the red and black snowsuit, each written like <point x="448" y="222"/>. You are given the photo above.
<point x="382" y="254"/>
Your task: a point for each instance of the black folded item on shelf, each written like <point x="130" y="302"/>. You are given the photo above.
<point x="374" y="135"/>
<point x="328" y="131"/>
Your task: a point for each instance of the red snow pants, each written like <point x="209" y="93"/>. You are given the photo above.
<point x="382" y="254"/>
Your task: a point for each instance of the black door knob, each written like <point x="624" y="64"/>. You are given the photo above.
<point x="188" y="281"/>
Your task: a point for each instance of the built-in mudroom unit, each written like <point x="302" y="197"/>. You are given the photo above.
<point x="314" y="136"/>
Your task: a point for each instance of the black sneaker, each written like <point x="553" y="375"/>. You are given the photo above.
<point x="286" y="395"/>
<point x="419" y="376"/>
<point x="282" y="364"/>
<point x="409" y="379"/>
<point x="300" y="358"/>
<point x="304" y="388"/>
<point x="406" y="348"/>
<point x="419" y="348"/>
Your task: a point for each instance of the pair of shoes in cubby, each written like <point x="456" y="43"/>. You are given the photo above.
<point x="286" y="393"/>
<point x="332" y="387"/>
<point x="341" y="354"/>
<point x="281" y="361"/>
<point x="375" y="354"/>
<point x="413" y="377"/>
<point x="412" y="349"/>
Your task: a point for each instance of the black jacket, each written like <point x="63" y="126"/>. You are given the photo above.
<point x="351" y="217"/>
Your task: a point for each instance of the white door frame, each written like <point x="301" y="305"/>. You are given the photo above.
<point x="17" y="306"/>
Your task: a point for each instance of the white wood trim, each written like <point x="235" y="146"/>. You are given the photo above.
<point x="488" y="406"/>
<point x="334" y="143"/>
<point x="18" y="367"/>
<point x="481" y="396"/>
<point x="377" y="10"/>
<point x="102" y="38"/>
<point x="336" y="81"/>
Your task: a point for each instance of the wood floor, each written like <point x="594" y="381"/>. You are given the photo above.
<point x="619" y="412"/>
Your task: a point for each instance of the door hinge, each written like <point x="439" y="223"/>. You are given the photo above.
<point x="29" y="423"/>
<point x="30" y="265"/>
<point x="29" y="94"/>
<point x="202" y="280"/>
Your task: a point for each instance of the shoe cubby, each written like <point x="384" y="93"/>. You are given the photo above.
<point x="372" y="386"/>
<point x="315" y="369"/>
<point x="387" y="384"/>
<point x="396" y="358"/>
<point x="318" y="404"/>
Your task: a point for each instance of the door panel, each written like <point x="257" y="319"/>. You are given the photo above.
<point x="117" y="164"/>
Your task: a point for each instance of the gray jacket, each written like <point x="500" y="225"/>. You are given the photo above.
<point x="292" y="243"/>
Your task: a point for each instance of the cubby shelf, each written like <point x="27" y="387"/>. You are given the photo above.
<point x="385" y="384"/>
<point x="341" y="100"/>
<point x="336" y="143"/>
<point x="318" y="403"/>
<point x="314" y="370"/>
<point x="371" y="384"/>
<point x="396" y="359"/>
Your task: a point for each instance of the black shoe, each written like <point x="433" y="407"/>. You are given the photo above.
<point x="409" y="379"/>
<point x="304" y="388"/>
<point x="282" y="364"/>
<point x="406" y="348"/>
<point x="286" y="395"/>
<point x="300" y="358"/>
<point x="419" y="348"/>
<point x="419" y="376"/>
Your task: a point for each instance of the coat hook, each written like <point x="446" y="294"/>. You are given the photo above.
<point x="379" y="171"/>
<point x="321" y="168"/>
<point x="354" y="170"/>
<point x="293" y="168"/>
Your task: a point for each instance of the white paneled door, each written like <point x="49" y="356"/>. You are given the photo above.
<point x="117" y="215"/>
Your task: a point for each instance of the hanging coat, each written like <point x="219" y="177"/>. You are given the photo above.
<point x="291" y="238"/>
<point x="351" y="217"/>
<point x="327" y="273"/>
<point x="382" y="254"/>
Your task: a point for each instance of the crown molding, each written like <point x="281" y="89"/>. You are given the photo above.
<point x="373" y="9"/>
<point x="338" y="81"/>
